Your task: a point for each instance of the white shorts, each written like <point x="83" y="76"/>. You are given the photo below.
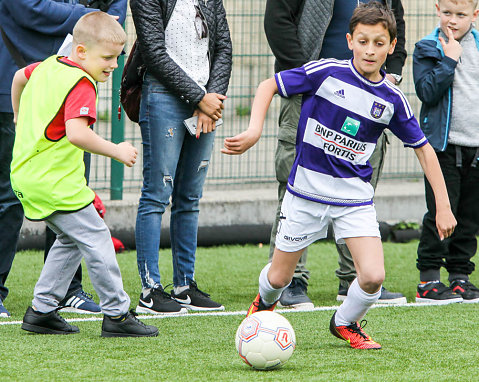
<point x="303" y="221"/>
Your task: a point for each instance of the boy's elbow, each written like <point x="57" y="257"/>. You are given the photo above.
<point x="74" y="137"/>
<point x="19" y="78"/>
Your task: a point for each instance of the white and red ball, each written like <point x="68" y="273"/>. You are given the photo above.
<point x="265" y="340"/>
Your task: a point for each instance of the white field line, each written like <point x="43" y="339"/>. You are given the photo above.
<point x="237" y="313"/>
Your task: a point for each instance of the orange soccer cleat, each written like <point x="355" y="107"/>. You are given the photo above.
<point x="258" y="305"/>
<point x="353" y="334"/>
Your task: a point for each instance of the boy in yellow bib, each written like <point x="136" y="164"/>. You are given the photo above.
<point x="54" y="104"/>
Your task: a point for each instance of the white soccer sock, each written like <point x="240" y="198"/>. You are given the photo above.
<point x="145" y="291"/>
<point x="356" y="305"/>
<point x="268" y="294"/>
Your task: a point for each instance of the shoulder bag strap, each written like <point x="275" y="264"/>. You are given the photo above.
<point x="17" y="57"/>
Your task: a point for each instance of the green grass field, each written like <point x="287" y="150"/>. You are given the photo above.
<point x="427" y="343"/>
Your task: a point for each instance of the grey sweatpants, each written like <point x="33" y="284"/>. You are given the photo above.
<point x="81" y="234"/>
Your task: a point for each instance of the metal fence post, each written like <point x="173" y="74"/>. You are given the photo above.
<point x="117" y="132"/>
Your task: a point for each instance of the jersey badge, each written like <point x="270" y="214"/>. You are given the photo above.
<point x="377" y="110"/>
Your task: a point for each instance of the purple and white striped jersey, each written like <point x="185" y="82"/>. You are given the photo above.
<point x="342" y="116"/>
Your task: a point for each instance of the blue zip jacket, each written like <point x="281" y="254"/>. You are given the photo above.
<point x="433" y="76"/>
<point x="37" y="29"/>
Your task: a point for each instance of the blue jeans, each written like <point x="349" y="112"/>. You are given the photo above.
<point x="174" y="164"/>
<point x="11" y="211"/>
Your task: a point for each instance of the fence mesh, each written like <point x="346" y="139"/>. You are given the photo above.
<point x="252" y="63"/>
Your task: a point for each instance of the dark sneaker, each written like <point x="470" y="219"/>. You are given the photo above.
<point x="435" y="292"/>
<point x="4" y="313"/>
<point x="47" y="323"/>
<point x="386" y="296"/>
<point x="468" y="291"/>
<point x="353" y="334"/>
<point x="159" y="302"/>
<point x="79" y="302"/>
<point x="294" y="296"/>
<point x="195" y="299"/>
<point x="342" y="293"/>
<point x="259" y="305"/>
<point x="128" y="326"/>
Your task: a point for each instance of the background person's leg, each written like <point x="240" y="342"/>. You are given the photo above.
<point x="11" y="211"/>
<point x="295" y="295"/>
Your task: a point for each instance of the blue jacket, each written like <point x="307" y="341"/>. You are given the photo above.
<point x="433" y="76"/>
<point x="37" y="29"/>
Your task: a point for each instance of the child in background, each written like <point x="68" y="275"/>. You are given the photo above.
<point x="446" y="76"/>
<point x="346" y="106"/>
<point x="54" y="103"/>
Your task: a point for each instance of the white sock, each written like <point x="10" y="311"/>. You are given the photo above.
<point x="180" y="289"/>
<point x="145" y="291"/>
<point x="268" y="294"/>
<point x="356" y="305"/>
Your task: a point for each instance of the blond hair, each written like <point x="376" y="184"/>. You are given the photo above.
<point x="473" y="2"/>
<point x="98" y="27"/>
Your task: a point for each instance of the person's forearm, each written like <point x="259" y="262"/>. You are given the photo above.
<point x="282" y="32"/>
<point x="86" y="139"/>
<point x="50" y="17"/>
<point x="264" y="94"/>
<point x="395" y="62"/>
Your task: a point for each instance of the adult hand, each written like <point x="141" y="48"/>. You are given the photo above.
<point x="205" y="124"/>
<point x="212" y="104"/>
<point x="452" y="48"/>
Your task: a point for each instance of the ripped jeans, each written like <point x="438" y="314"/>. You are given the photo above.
<point x="174" y="164"/>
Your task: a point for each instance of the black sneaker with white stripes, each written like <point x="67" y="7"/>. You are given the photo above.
<point x="195" y="299"/>
<point x="157" y="301"/>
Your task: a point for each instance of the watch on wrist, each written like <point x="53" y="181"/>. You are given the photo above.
<point x="397" y="78"/>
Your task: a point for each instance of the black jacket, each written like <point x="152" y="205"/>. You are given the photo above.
<point x="281" y="26"/>
<point x="152" y="16"/>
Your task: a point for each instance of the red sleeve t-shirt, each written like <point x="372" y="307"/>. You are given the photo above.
<point x="80" y="102"/>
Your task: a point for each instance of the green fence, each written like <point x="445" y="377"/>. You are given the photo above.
<point x="252" y="62"/>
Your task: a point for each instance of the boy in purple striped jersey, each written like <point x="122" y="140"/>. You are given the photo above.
<point x="346" y="105"/>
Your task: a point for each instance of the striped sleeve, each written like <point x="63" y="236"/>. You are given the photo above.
<point x="404" y="124"/>
<point x="305" y="79"/>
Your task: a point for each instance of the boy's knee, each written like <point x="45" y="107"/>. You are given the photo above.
<point x="372" y="282"/>
<point x="278" y="281"/>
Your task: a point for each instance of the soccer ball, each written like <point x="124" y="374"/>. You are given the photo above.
<point x="265" y="340"/>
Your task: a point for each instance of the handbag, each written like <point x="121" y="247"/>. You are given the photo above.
<point x="131" y="84"/>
